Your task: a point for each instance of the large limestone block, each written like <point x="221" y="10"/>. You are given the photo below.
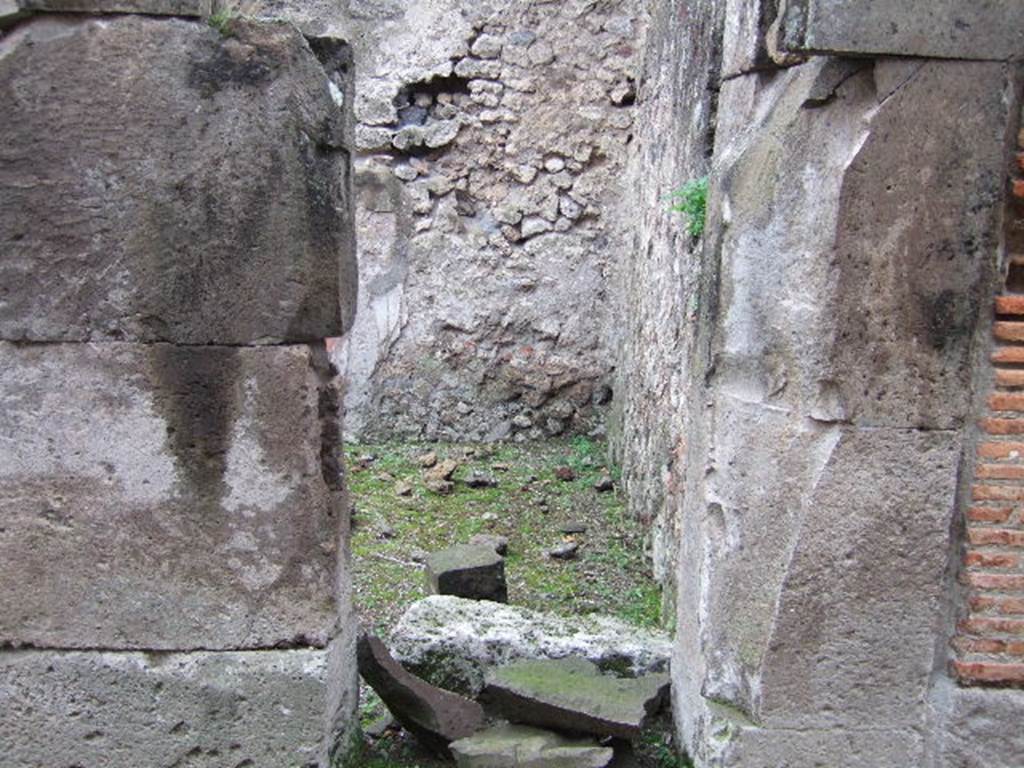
<point x="980" y="29"/>
<point x="264" y="709"/>
<point x="200" y="8"/>
<point x="182" y="185"/>
<point x="160" y="497"/>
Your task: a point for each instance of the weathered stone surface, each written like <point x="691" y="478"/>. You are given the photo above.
<point x="970" y="726"/>
<point x="199" y="8"/>
<point x="519" y="746"/>
<point x="573" y="695"/>
<point x="825" y="428"/>
<point x="452" y="642"/>
<point x="474" y="571"/>
<point x="164" y="497"/>
<point x="436" y="717"/>
<point x="263" y="709"/>
<point x="186" y="186"/>
<point x="939" y="28"/>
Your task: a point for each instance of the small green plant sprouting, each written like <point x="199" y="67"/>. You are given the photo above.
<point x="220" y="18"/>
<point x="691" y="200"/>
<point x="227" y="11"/>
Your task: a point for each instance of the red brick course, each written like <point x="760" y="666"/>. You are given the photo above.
<point x="989" y="641"/>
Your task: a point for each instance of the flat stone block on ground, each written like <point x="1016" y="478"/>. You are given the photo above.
<point x="186" y="186"/>
<point x="474" y="571"/>
<point x="261" y="709"/>
<point x="160" y="497"/>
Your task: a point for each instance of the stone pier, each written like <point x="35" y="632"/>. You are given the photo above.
<point x="175" y="244"/>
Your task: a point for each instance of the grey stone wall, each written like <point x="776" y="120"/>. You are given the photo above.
<point x="175" y="243"/>
<point x="490" y="141"/>
<point x="823" y="385"/>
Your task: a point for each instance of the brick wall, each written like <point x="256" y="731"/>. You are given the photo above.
<point x="989" y="643"/>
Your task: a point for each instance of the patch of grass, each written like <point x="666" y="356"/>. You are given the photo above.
<point x="691" y="200"/>
<point x="392" y="534"/>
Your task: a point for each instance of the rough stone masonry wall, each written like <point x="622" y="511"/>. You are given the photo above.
<point x="175" y="243"/>
<point x="840" y="313"/>
<point x="490" y="139"/>
<point x="657" y="286"/>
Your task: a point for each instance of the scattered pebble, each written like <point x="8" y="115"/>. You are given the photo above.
<point x="442" y="470"/>
<point x="440" y="487"/>
<point x="566" y="551"/>
<point x="481" y="480"/>
<point x="500" y="467"/>
<point x="387" y="532"/>
<point x="499" y="543"/>
<point x="403" y="488"/>
<point x="604" y="484"/>
<point x="427" y="460"/>
<point x="565" y="474"/>
<point x="573" y="526"/>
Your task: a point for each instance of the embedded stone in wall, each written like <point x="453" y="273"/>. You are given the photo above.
<point x="940" y="28"/>
<point x="182" y="185"/>
<point x="162" y="497"/>
<point x="203" y="710"/>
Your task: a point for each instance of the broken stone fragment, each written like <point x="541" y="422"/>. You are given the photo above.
<point x="474" y="571"/>
<point x="604" y="483"/>
<point x="433" y="716"/>
<point x="573" y="526"/>
<point x="452" y="642"/>
<point x="441" y="470"/>
<point x="427" y="460"/>
<point x="403" y="488"/>
<point x="573" y="695"/>
<point x="519" y="746"/>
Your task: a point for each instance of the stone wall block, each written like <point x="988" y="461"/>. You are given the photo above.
<point x="263" y="709"/>
<point x="163" y="497"/>
<point x="187" y="186"/>
<point x="200" y="8"/>
<point x="940" y="29"/>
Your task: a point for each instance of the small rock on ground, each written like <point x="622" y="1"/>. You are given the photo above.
<point x="474" y="571"/>
<point x="565" y="551"/>
<point x="443" y="470"/>
<point x="427" y="460"/>
<point x="499" y="543"/>
<point x="481" y="480"/>
<point x="565" y="474"/>
<point x="604" y="484"/>
<point x="573" y="526"/>
<point x="440" y="487"/>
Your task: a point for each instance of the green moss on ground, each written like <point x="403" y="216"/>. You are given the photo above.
<point x="392" y="533"/>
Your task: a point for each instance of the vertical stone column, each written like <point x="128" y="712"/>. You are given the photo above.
<point x="175" y="243"/>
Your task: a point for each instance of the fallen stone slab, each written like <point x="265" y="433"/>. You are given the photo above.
<point x="520" y="746"/>
<point x="474" y="571"/>
<point x="434" y="716"/>
<point x="573" y="695"/>
<point x="452" y="642"/>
